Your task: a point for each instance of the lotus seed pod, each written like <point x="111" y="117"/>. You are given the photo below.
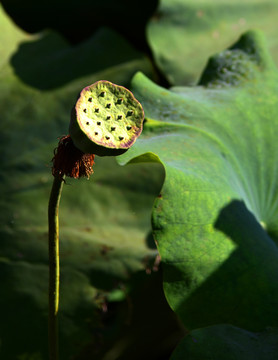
<point x="106" y="120"/>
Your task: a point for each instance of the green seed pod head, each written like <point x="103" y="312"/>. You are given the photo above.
<point x="106" y="120"/>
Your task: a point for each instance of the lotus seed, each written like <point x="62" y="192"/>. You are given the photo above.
<point x="120" y="117"/>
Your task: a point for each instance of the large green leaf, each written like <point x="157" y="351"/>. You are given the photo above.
<point x="184" y="33"/>
<point x="104" y="223"/>
<point x="228" y="342"/>
<point x="215" y="221"/>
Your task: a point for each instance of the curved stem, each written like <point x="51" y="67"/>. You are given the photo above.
<point x="54" y="270"/>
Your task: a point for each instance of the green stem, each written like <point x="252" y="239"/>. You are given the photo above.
<point x="54" y="268"/>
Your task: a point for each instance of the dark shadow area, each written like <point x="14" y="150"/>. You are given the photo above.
<point x="137" y="320"/>
<point x="150" y="241"/>
<point x="243" y="290"/>
<point x="82" y="38"/>
<point x="51" y="62"/>
<point x="78" y="20"/>
<point x="22" y="312"/>
<point x="239" y="224"/>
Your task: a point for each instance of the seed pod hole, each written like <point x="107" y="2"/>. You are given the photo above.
<point x="121" y="138"/>
<point x="102" y="94"/>
<point x="98" y="123"/>
<point x="90" y="99"/>
<point x="96" y="133"/>
<point x="108" y="117"/>
<point x="120" y="101"/>
<point x="96" y="110"/>
<point x="128" y="127"/>
<point x="120" y="117"/>
<point x="108" y="105"/>
<point x="85" y="110"/>
<point x="107" y="137"/>
<point x="130" y="112"/>
<point x="87" y="123"/>
<point x="113" y="128"/>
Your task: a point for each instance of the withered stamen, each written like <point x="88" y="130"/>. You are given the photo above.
<point x="70" y="161"/>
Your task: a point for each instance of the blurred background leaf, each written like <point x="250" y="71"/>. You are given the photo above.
<point x="107" y="251"/>
<point x="183" y="34"/>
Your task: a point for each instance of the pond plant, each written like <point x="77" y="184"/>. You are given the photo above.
<point x="200" y="195"/>
<point x="106" y="121"/>
<point x="217" y="163"/>
<point x="215" y="221"/>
